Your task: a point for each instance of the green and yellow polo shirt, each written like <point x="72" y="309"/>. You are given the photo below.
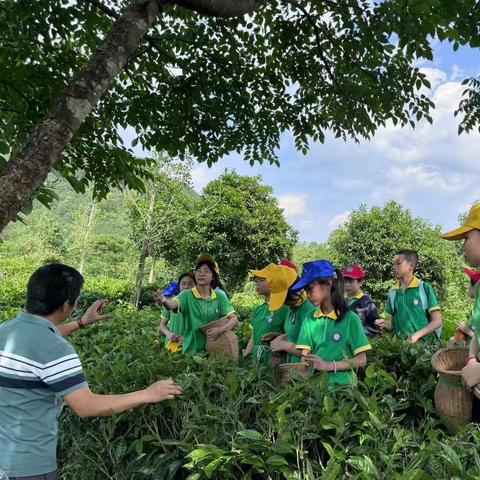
<point x="293" y="324"/>
<point x="197" y="312"/>
<point x="37" y="368"/>
<point x="475" y="320"/>
<point x="174" y="322"/>
<point x="409" y="315"/>
<point x="334" y="340"/>
<point x="264" y="321"/>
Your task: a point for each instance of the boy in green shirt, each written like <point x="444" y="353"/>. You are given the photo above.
<point x="412" y="310"/>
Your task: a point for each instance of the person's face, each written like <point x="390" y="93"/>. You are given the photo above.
<point x="471" y="248"/>
<point x="203" y="275"/>
<point x="68" y="309"/>
<point x="401" y="266"/>
<point x="263" y="288"/>
<point x="319" y="292"/>
<point x="186" y="283"/>
<point x="352" y="286"/>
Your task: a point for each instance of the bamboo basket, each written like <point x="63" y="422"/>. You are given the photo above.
<point x="286" y="371"/>
<point x="453" y="401"/>
<point x="226" y="344"/>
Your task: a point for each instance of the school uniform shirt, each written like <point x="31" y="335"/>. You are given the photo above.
<point x="475" y="321"/>
<point x="264" y="321"/>
<point x="293" y="325"/>
<point x="409" y="316"/>
<point x="197" y="312"/>
<point x="174" y="322"/>
<point x="364" y="306"/>
<point x="334" y="340"/>
<point x="37" y="368"/>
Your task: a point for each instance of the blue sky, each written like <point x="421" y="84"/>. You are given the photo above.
<point x="431" y="170"/>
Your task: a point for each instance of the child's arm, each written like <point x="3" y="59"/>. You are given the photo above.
<point x="249" y="348"/>
<point x="280" y="344"/>
<point x="435" y="323"/>
<point x="474" y="349"/>
<point x="358" y="361"/>
<point x="164" y="330"/>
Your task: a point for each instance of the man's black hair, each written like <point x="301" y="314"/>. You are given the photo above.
<point x="51" y="286"/>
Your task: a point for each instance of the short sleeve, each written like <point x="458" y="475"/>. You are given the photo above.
<point x="224" y="306"/>
<point x="388" y="309"/>
<point x="357" y="338"/>
<point x="182" y="300"/>
<point x="63" y="373"/>
<point x="431" y="298"/>
<point x="166" y="313"/>
<point x="304" y="340"/>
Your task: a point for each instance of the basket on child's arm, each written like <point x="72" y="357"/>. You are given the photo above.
<point x="225" y="344"/>
<point x="291" y="371"/>
<point x="453" y="401"/>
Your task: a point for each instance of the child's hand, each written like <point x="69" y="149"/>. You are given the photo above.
<point x="379" y="323"/>
<point x="214" y="333"/>
<point x="463" y="327"/>
<point x="278" y="344"/>
<point x="414" y="338"/>
<point x="318" y="363"/>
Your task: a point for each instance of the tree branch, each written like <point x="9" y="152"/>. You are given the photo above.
<point x="221" y="8"/>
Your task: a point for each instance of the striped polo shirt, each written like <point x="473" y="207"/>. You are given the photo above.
<point x="37" y="368"/>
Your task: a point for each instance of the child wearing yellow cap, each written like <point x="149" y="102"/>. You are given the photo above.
<point x="332" y="338"/>
<point x="269" y="317"/>
<point x="201" y="305"/>
<point x="300" y="307"/>
<point x="412" y="310"/>
<point x="470" y="234"/>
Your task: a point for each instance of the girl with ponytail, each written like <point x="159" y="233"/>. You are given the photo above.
<point x="332" y="339"/>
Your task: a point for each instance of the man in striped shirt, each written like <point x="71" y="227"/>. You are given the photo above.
<point x="39" y="368"/>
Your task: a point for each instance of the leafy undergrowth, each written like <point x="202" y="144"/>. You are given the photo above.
<point x="235" y="421"/>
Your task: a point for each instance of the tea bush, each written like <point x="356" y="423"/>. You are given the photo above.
<point x="235" y="421"/>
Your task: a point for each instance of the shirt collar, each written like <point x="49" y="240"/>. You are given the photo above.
<point x="415" y="283"/>
<point x="359" y="295"/>
<point x="37" y="320"/>
<point x="319" y="314"/>
<point x="196" y="293"/>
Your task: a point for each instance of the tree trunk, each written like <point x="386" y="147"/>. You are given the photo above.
<point x="145" y="246"/>
<point x="88" y="230"/>
<point x="25" y="172"/>
<point x="151" y="277"/>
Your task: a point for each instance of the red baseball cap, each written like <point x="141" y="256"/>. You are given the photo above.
<point x="289" y="264"/>
<point x="474" y="276"/>
<point x="354" y="272"/>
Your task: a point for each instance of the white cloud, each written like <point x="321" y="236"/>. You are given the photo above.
<point x="201" y="176"/>
<point x="434" y="75"/>
<point x="293" y="204"/>
<point x="338" y="220"/>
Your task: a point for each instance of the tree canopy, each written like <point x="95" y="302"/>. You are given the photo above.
<point x="206" y="78"/>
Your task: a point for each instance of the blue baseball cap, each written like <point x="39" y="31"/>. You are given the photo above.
<point x="313" y="271"/>
<point x="171" y="289"/>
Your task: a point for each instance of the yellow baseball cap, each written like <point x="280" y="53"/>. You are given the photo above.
<point x="206" y="257"/>
<point x="280" y="278"/>
<point x="471" y="223"/>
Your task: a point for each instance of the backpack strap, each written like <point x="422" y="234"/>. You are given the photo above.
<point x="424" y="300"/>
<point x="391" y="299"/>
